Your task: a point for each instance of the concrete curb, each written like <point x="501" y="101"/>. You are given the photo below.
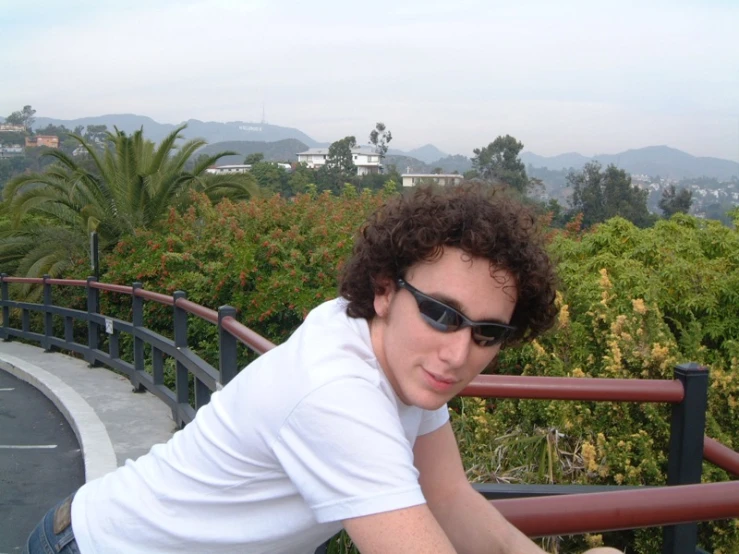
<point x="97" y="449"/>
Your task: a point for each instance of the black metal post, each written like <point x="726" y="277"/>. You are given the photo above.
<point x="138" y="344"/>
<point x="95" y="255"/>
<point x="93" y="329"/>
<point x="48" y="319"/>
<point x="6" y="308"/>
<point x="685" y="464"/>
<point x="182" y="389"/>
<point x="226" y="347"/>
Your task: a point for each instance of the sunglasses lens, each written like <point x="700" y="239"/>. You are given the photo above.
<point x="440" y="317"/>
<point x="489" y="335"/>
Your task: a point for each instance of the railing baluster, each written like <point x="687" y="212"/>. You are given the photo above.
<point x="114" y="348"/>
<point x="6" y="308"/>
<point x="138" y="344"/>
<point x="685" y="463"/>
<point x="157" y="362"/>
<point x="68" y="329"/>
<point x="226" y="347"/>
<point x="25" y="321"/>
<point x="48" y="319"/>
<point x="202" y="394"/>
<point x="182" y="389"/>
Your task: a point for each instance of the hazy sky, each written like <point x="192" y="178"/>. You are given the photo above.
<point x="586" y="76"/>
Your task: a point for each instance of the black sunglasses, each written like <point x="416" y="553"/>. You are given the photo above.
<point x="447" y="320"/>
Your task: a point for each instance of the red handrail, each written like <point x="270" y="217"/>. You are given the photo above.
<point x="26" y="280"/>
<point x="68" y="282"/>
<point x="256" y="342"/>
<point x="574" y="388"/>
<point x="154" y="296"/>
<point x="123" y="289"/>
<point x="721" y="455"/>
<point x="196" y="309"/>
<point x="613" y="511"/>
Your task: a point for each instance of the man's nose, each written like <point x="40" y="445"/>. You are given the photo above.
<point x="455" y="347"/>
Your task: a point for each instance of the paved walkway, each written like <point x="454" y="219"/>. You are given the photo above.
<point x="111" y="423"/>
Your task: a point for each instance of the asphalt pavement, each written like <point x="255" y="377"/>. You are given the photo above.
<point x="63" y="423"/>
<point x="40" y="460"/>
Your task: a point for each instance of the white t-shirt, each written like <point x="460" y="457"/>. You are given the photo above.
<point x="309" y="434"/>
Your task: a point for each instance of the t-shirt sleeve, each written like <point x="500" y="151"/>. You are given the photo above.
<point x="432" y="420"/>
<point x="344" y="448"/>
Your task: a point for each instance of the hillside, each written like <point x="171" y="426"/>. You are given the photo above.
<point x="279" y="151"/>
<point x="427" y="153"/>
<point x="210" y="131"/>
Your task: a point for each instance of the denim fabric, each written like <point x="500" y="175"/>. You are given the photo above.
<point x="43" y="540"/>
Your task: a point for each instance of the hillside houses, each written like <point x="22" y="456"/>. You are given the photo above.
<point x="50" y="141"/>
<point x="366" y="160"/>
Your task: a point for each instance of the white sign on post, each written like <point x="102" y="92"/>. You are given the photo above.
<point x="109" y="326"/>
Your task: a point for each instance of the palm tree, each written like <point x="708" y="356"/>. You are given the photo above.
<point x="131" y="184"/>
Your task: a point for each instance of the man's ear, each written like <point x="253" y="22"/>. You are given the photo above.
<point x="384" y="291"/>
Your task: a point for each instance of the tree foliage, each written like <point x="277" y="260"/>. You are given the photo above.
<point x="132" y="186"/>
<point x="674" y="201"/>
<point x="270" y="177"/>
<point x="339" y="167"/>
<point x="254" y="158"/>
<point x="380" y="137"/>
<point x="340" y="156"/>
<point x="499" y="163"/>
<point x="23" y="117"/>
<point x="601" y="195"/>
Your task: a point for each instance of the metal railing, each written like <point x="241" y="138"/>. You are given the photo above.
<point x="568" y="510"/>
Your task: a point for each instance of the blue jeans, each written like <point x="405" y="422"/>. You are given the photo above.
<point x="53" y="534"/>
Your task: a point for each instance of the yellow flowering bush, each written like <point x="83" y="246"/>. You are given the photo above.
<point x="633" y="304"/>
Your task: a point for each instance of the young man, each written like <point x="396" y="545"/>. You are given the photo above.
<point x="346" y="424"/>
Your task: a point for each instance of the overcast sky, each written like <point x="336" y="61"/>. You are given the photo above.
<point x="586" y="76"/>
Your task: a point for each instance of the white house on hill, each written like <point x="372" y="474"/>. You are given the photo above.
<point x="365" y="158"/>
<point x="221" y="169"/>
<point x="241" y="168"/>
<point x="443" y="179"/>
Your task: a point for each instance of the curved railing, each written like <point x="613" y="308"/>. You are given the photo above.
<point x="567" y="510"/>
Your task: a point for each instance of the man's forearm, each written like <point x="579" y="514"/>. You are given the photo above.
<point x="474" y="526"/>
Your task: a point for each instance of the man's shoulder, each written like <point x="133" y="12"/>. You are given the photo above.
<point x="328" y="347"/>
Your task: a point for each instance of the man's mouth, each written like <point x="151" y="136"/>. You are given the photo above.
<point x="438" y="382"/>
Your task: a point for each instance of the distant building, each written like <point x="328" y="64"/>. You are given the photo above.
<point x="50" y="141"/>
<point x="223" y="169"/>
<point x="365" y="159"/>
<point x="442" y="179"/>
<point x="10" y="128"/>
<point x="10" y="150"/>
<point x="241" y="168"/>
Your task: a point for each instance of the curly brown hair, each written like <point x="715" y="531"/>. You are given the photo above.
<point x="482" y="222"/>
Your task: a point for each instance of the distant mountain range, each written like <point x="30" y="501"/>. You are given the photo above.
<point x="651" y="160"/>
<point x="283" y="143"/>
<point x="211" y="131"/>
